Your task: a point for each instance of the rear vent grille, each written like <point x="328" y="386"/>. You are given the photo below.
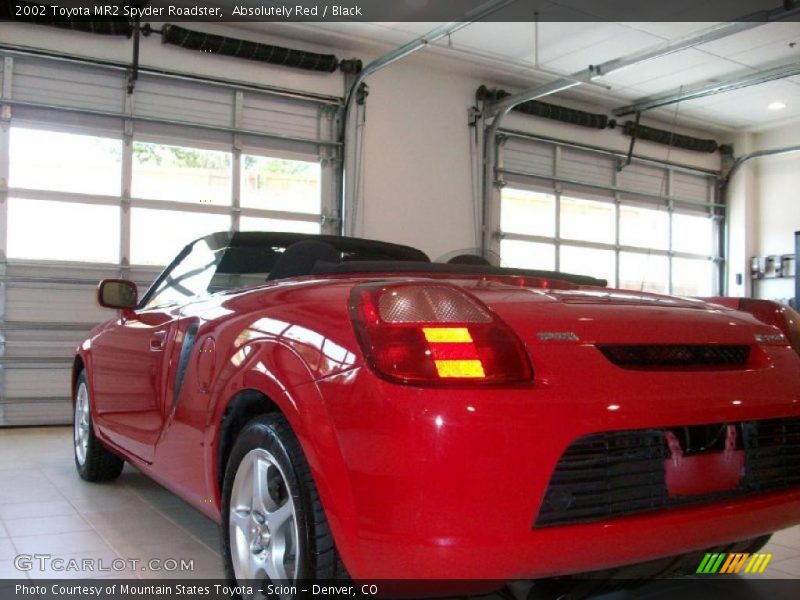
<point x="606" y="474"/>
<point x="675" y="356"/>
<point x="773" y="454"/>
<point x="618" y="473"/>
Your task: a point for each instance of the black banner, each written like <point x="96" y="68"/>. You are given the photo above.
<point x="400" y="10"/>
<point x="720" y="587"/>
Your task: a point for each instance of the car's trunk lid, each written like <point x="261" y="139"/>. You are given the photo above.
<point x="604" y="316"/>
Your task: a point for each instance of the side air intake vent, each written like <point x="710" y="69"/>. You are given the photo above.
<point x="675" y="356"/>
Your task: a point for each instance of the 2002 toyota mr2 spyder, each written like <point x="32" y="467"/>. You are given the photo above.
<point x="345" y="407"/>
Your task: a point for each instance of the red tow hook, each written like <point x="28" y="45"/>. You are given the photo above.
<point x="707" y="473"/>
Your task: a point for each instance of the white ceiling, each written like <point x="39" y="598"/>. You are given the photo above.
<point x="507" y="50"/>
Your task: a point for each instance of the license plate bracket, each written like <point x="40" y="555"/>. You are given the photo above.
<point x="703" y="473"/>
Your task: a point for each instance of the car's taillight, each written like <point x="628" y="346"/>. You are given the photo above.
<point x="431" y="334"/>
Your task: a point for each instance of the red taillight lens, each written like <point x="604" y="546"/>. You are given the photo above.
<point x="435" y="334"/>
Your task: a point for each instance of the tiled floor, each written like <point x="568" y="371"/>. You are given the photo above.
<point x="46" y="508"/>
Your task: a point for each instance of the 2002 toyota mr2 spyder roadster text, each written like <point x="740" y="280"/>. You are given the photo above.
<point x="345" y="407"/>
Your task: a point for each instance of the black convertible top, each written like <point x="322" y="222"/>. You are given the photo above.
<point x="358" y="255"/>
<point x="227" y="260"/>
<point x="374" y="266"/>
<point x="350" y="247"/>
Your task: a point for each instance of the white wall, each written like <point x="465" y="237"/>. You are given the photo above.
<point x="741" y="197"/>
<point x="773" y="195"/>
<point x="417" y="183"/>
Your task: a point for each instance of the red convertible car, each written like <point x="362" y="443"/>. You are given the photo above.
<point x="345" y="407"/>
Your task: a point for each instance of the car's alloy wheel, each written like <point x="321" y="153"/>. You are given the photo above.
<point x="93" y="460"/>
<point x="82" y="423"/>
<point x="262" y="523"/>
<point x="274" y="529"/>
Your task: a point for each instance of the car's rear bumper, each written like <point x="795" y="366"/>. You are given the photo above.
<point x="447" y="483"/>
<point x="579" y="548"/>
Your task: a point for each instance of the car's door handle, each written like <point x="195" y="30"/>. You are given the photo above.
<point x="157" y="341"/>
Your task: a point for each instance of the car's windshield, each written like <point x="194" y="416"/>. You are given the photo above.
<point x="227" y="261"/>
<point x="206" y="271"/>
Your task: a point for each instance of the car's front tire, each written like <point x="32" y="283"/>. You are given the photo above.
<point x="273" y="524"/>
<point x="93" y="461"/>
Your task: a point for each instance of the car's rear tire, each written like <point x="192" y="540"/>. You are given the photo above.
<point x="273" y="524"/>
<point x="93" y="460"/>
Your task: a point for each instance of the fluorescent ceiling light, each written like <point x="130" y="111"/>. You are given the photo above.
<point x="777" y="105"/>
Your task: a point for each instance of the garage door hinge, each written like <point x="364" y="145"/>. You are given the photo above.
<point x="473" y="115"/>
<point x="329" y="220"/>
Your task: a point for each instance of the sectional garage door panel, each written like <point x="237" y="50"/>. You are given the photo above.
<point x="21" y="347"/>
<point x="32" y="303"/>
<point x="281" y="115"/>
<point x="44" y="83"/>
<point x="53" y="411"/>
<point x="22" y="382"/>
<point x="71" y="272"/>
<point x="644" y="178"/>
<point x="692" y="188"/>
<point x="49" y="310"/>
<point x="599" y="173"/>
<point x="55" y="83"/>
<point x="529" y="157"/>
<point x="580" y="166"/>
<point x="193" y="103"/>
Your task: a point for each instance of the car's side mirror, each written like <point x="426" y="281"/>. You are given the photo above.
<point x="117" y="293"/>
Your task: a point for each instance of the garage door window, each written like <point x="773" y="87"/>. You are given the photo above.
<point x="260" y="224"/>
<point x="644" y="227"/>
<point x="47" y="230"/>
<point x="587" y="220"/>
<point x="644" y="272"/>
<point x="64" y="162"/>
<point x="693" y="234"/>
<point x="531" y="212"/>
<point x="279" y="184"/>
<point x="158" y="235"/>
<point x="588" y="261"/>
<point x="528" y="255"/>
<point x="692" y="277"/>
<point x="181" y="174"/>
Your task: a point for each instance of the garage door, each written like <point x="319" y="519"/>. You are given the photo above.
<point x="647" y="225"/>
<point x="97" y="183"/>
